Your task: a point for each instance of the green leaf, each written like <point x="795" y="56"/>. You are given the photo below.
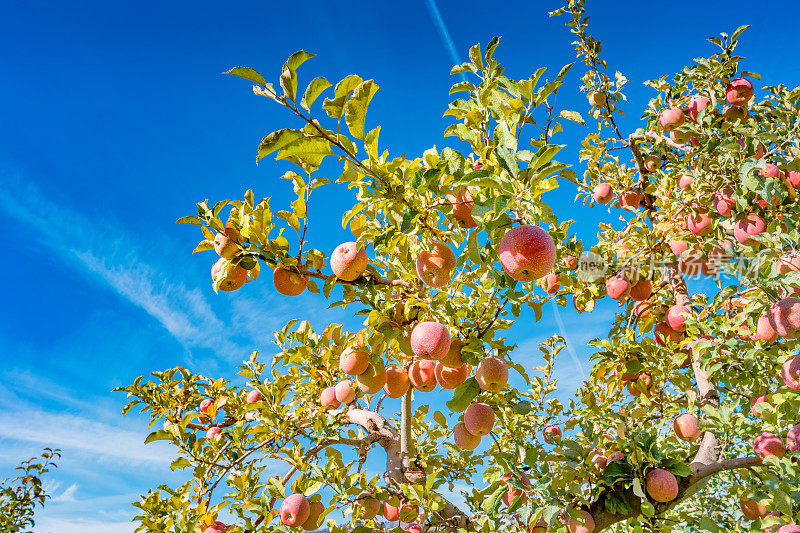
<point x="314" y="89"/>
<point x="739" y="31"/>
<point x="248" y="74"/>
<point x="355" y="110"/>
<point x="491" y="47"/>
<point x="297" y="59"/>
<point x="180" y="462"/>
<point x="335" y="106"/>
<point x="463" y="395"/>
<point x="189" y="220"/>
<point x="277" y="140"/>
<point x="475" y="56"/>
<point x="307" y="150"/>
<point x="159" y="435"/>
<point x="574" y="116"/>
<point x="462" y="86"/>
<point x="289" y="83"/>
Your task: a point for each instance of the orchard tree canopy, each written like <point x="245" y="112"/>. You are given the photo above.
<point x="689" y="418"/>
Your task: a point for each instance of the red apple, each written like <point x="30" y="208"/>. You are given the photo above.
<point x="348" y="261"/>
<point x="435" y="267"/>
<point x="479" y="419"/>
<point x="768" y="444"/>
<point x="289" y="283"/>
<point x="463" y="204"/>
<point x="699" y="223"/>
<point x="344" y="391"/>
<point x="642" y="290"/>
<point x="527" y="253"/>
<point x="751" y="509"/>
<point x="739" y="91"/>
<point x="315" y="511"/>
<point x="661" y="485"/>
<point x="551" y="284"/>
<point x="227" y="244"/>
<point x="295" y="510"/>
<point x="697" y="105"/>
<point x="254" y="396"/>
<point x="430" y="340"/>
<point x="671" y="118"/>
<point x="602" y="193"/>
<point x="790" y="371"/>
<point x="618" y="287"/>
<point x="629" y="200"/>
<point x="450" y="378"/>
<point x="551" y="434"/>
<point x="747" y="227"/>
<point x="373" y="379"/>
<point x="422" y="375"/>
<point x="235" y="277"/>
<point x="793" y="439"/>
<point x="784" y="317"/>
<point x="676" y="317"/>
<point x="687" y="427"/>
<point x="397" y="382"/>
<point x="724" y="202"/>
<point x="492" y="374"/>
<point x="585" y="524"/>
<point x="464" y="439"/>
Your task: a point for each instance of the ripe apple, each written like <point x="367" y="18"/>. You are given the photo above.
<point x="602" y="193"/>
<point x="527" y="252"/>
<point x="327" y="398"/>
<point x="450" y="378"/>
<point x="699" y="223"/>
<point x="652" y="163"/>
<point x="676" y="317"/>
<point x="214" y="433"/>
<point x="629" y="200"/>
<point x="765" y="331"/>
<point x="464" y="439"/>
<point x="354" y="360"/>
<point x="422" y="375"/>
<point x="642" y="290"/>
<point x="641" y="384"/>
<point x="770" y="171"/>
<point x="793" y="439"/>
<point x="618" y="287"/>
<point x="348" y="261"/>
<point x="755" y="401"/>
<point x="289" y="283"/>
<point x="514" y="493"/>
<point x="373" y="379"/>
<point x="697" y="105"/>
<point x="295" y="510"/>
<point x="664" y="334"/>
<point x="793" y="178"/>
<point x="791" y="528"/>
<point x="390" y="512"/>
<point x="463" y="204"/>
<point x="216" y="527"/>
<point x="254" y="396"/>
<point x="671" y="118"/>
<point x="234" y="279"/>
<point x="614" y="457"/>
<point x="227" y="244"/>
<point x="435" y="267"/>
<point x="492" y="374"/>
<point x="597" y="99"/>
<point x="724" y="202"/>
<point x="369" y="506"/>
<point x="397" y="382"/>
<point x="739" y="91"/>
<point x="790" y="371"/>
<point x="570" y="262"/>
<point x="784" y="317"/>
<point x="747" y="227"/>
<point x="788" y="263"/>
<point x="751" y="509"/>
<point x="479" y="419"/>
<point x="687" y="427"/>
<point x="550" y="283"/>
<point x="551" y="434"/>
<point x="430" y="340"/>
<point x="684" y="180"/>
<point x="344" y="391"/>
<point x="661" y="485"/>
<point x="585" y="524"/>
<point x="768" y="444"/>
<point x="678" y="246"/>
<point x="413" y="528"/>
<point x="205" y="406"/>
<point x="452" y="358"/>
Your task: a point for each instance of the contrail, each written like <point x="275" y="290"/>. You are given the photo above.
<point x="563" y="330"/>
<point x="448" y="41"/>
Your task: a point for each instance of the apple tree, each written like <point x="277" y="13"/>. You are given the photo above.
<point x="20" y="496"/>
<point x="689" y="418"/>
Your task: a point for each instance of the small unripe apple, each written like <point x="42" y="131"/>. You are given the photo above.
<point x="254" y="396"/>
<point x="327" y="398"/>
<point x="348" y="261"/>
<point x="602" y="193"/>
<point x="422" y="375"/>
<point x="373" y="379"/>
<point x="295" y="510"/>
<point x="479" y="419"/>
<point x="430" y="340"/>
<point x="768" y="444"/>
<point x="739" y="91"/>
<point x="748" y="227"/>
<point x="652" y="163"/>
<point x="551" y="434"/>
<point x="397" y="382"/>
<point x="344" y="391"/>
<point x="618" y="287"/>
<point x="527" y="253"/>
<point x="790" y="372"/>
<point x="550" y="283"/>
<point x="227" y="244"/>
<point x="233" y="280"/>
<point x="661" y="485"/>
<point x="597" y="99"/>
<point x="671" y="118"/>
<point x="435" y="267"/>
<point x="492" y="374"/>
<point x="697" y="105"/>
<point x="464" y="439"/>
<point x="450" y="378"/>
<point x="289" y="283"/>
<point x="687" y="427"/>
<point x="354" y="361"/>
<point x="214" y="433"/>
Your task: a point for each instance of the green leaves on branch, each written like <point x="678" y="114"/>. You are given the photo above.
<point x="356" y="108"/>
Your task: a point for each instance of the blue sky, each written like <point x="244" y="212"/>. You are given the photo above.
<point x="116" y="120"/>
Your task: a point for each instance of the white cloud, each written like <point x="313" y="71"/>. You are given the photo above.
<point x="67" y="496"/>
<point x="67" y="525"/>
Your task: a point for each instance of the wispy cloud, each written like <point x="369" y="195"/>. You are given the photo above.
<point x="438" y="20"/>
